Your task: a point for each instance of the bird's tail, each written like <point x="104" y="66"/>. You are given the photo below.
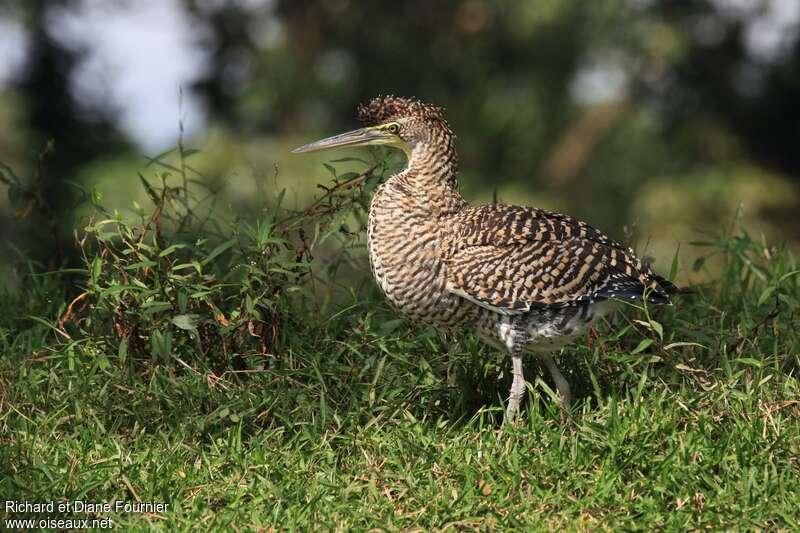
<point x="668" y="287"/>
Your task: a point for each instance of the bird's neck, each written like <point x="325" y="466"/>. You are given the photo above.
<point x="431" y="172"/>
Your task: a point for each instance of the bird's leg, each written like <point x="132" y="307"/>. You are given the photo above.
<point x="561" y="383"/>
<point x="518" y="383"/>
<point x="517" y="389"/>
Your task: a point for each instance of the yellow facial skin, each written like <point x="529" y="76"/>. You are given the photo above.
<point x="381" y="135"/>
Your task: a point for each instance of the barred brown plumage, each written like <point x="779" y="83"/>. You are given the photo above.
<point x="527" y="278"/>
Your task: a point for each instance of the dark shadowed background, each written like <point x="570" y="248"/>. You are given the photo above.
<point x="653" y="120"/>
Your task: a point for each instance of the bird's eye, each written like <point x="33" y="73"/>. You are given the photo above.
<point x="393" y="128"/>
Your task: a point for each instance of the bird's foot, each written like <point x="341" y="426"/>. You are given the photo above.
<point x="512" y="410"/>
<point x="562" y="385"/>
<point x="512" y="415"/>
<point x="564" y="405"/>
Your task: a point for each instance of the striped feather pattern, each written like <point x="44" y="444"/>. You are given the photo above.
<point x="514" y="257"/>
<point x="500" y="269"/>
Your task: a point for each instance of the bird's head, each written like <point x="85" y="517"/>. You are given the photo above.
<point x="391" y="121"/>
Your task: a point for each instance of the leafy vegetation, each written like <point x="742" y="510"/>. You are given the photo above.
<point x="660" y="114"/>
<point x="202" y="362"/>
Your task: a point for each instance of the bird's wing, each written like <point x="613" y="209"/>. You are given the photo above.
<point x="511" y="259"/>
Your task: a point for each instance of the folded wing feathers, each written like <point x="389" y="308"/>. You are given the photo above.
<point x="513" y="258"/>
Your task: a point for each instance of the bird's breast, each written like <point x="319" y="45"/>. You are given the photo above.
<point x="408" y="245"/>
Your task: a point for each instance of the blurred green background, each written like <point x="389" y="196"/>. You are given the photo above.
<point x="652" y="120"/>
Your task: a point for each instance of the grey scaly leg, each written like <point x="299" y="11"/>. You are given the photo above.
<point x="561" y="383"/>
<point x="518" y="383"/>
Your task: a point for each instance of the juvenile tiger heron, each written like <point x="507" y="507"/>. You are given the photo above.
<point x="526" y="278"/>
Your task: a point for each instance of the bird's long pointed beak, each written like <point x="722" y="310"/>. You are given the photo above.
<point x="359" y="137"/>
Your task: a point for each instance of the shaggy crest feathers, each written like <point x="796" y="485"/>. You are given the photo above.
<point x="382" y="109"/>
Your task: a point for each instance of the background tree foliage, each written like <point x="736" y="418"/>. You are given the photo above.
<point x="648" y="114"/>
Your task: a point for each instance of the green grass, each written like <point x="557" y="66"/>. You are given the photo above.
<point x="352" y="418"/>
